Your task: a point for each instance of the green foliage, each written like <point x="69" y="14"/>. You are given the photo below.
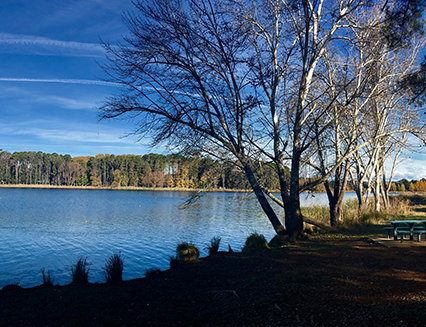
<point x="187" y="252"/>
<point x="80" y="271"/>
<point x="255" y="242"/>
<point x="47" y="277"/>
<point x="113" y="269"/>
<point x="213" y="248"/>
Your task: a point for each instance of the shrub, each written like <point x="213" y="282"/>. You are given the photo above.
<point x="113" y="269"/>
<point x="80" y="271"/>
<point x="47" y="277"/>
<point x="187" y="252"/>
<point x="213" y="248"/>
<point x="255" y="242"/>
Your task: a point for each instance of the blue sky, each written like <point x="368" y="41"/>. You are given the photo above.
<point x="49" y="77"/>
<point x="49" y="80"/>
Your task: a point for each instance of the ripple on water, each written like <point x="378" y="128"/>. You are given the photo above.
<point x="51" y="229"/>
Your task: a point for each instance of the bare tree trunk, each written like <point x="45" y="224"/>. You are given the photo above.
<point x="270" y="213"/>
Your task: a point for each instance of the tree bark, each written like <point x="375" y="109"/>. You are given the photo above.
<point x="263" y="201"/>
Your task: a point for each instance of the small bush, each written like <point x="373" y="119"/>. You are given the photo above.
<point x="152" y="271"/>
<point x="255" y="242"/>
<point x="187" y="252"/>
<point x="47" y="277"/>
<point x="113" y="269"/>
<point x="80" y="272"/>
<point x="213" y="248"/>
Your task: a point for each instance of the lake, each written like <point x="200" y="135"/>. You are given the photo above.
<point x="53" y="228"/>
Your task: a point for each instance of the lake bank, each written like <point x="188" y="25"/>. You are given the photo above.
<point x="331" y="281"/>
<point x="121" y="188"/>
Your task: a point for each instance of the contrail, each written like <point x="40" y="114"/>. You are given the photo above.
<point x="71" y="48"/>
<point x="57" y="80"/>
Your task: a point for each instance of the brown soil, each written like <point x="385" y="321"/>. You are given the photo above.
<point x="321" y="282"/>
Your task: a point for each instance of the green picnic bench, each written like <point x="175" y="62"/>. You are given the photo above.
<point x="419" y="233"/>
<point x="400" y="227"/>
<point x="390" y="229"/>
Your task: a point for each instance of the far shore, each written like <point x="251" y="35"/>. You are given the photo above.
<point x="121" y="188"/>
<point x="133" y="188"/>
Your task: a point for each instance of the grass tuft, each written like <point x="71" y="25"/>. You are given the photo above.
<point x="187" y="252"/>
<point x="213" y="248"/>
<point x="47" y="277"/>
<point x="80" y="271"/>
<point x="113" y="269"/>
<point x="255" y="242"/>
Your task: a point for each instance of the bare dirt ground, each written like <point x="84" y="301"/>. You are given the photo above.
<point x="326" y="281"/>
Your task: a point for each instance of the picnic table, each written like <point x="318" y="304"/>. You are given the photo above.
<point x="412" y="229"/>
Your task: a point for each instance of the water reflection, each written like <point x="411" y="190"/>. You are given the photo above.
<point x="51" y="229"/>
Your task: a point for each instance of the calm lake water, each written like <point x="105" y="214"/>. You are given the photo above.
<point x="51" y="229"/>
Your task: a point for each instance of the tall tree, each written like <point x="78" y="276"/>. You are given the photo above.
<point x="233" y="77"/>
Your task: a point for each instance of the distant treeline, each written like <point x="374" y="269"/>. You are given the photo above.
<point x="150" y="170"/>
<point x="104" y="170"/>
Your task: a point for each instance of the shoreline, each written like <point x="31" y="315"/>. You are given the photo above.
<point x="330" y="281"/>
<point x="121" y="188"/>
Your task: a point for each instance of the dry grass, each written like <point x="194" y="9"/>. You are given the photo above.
<point x="401" y="207"/>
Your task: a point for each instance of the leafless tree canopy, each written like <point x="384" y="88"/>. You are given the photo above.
<point x="287" y="82"/>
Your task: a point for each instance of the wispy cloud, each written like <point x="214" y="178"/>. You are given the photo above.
<point x="58" y="80"/>
<point x="63" y="131"/>
<point x="18" y="43"/>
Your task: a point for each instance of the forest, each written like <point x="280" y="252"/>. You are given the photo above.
<point x="150" y="170"/>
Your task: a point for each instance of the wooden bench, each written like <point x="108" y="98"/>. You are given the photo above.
<point x="419" y="233"/>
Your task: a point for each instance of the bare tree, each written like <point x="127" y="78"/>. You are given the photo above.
<point x="389" y="118"/>
<point x="233" y="77"/>
<point x="185" y="77"/>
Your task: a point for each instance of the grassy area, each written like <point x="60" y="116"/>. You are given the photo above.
<point x="369" y="223"/>
<point x="407" y="206"/>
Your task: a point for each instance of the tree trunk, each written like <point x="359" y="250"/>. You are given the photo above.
<point x="293" y="215"/>
<point x="377" y="207"/>
<point x="270" y="213"/>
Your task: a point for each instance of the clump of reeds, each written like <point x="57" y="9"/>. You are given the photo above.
<point x="255" y="242"/>
<point x="113" y="269"/>
<point x="185" y="252"/>
<point x="80" y="271"/>
<point x="213" y="248"/>
<point x="47" y="277"/>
